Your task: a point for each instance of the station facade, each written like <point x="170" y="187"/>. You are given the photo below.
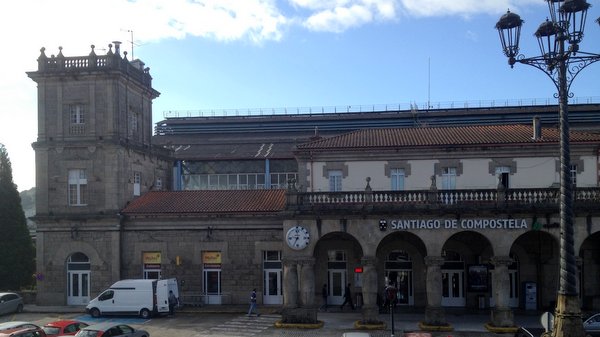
<point x="453" y="216"/>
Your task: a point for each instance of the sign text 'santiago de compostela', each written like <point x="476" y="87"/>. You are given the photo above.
<point x="407" y="224"/>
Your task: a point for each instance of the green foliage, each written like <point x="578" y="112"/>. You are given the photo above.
<point x="17" y="253"/>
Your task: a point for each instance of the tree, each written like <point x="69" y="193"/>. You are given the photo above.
<point x="17" y="253"/>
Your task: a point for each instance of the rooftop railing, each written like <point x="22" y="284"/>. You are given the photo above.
<point x="395" y="107"/>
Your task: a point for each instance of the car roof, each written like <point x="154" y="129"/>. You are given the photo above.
<point x="6" y="293"/>
<point x="103" y="326"/>
<point x="62" y="322"/>
<point x="10" y="332"/>
<point x="11" y="324"/>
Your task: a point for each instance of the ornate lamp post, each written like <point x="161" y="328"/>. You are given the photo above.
<point x="562" y="65"/>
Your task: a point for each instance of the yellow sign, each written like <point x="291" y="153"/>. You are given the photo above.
<point x="211" y="257"/>
<point x="151" y="257"/>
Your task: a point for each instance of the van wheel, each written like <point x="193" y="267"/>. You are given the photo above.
<point x="145" y="313"/>
<point x="95" y="312"/>
<point x="20" y="308"/>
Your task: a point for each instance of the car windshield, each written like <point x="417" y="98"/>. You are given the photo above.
<point x="50" y="330"/>
<point x="87" y="333"/>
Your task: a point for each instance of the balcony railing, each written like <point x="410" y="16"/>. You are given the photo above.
<point x="539" y="198"/>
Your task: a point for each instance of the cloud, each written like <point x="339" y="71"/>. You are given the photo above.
<point x="428" y="8"/>
<point x="339" y="15"/>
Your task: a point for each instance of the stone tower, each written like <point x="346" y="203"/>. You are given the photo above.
<point x="94" y="154"/>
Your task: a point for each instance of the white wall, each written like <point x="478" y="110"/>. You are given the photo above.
<point x="530" y="173"/>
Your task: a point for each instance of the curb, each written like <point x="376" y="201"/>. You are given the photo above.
<point x="281" y="325"/>
<point x="440" y="328"/>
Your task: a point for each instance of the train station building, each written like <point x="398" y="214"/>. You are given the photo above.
<point x="456" y="207"/>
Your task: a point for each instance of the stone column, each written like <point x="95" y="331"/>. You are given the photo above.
<point x="434" y="313"/>
<point x="290" y="283"/>
<point x="502" y="315"/>
<point x="307" y="282"/>
<point x="370" y="310"/>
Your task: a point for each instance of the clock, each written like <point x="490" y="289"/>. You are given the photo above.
<point x="297" y="237"/>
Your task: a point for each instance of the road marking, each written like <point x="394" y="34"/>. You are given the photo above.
<point x="245" y="326"/>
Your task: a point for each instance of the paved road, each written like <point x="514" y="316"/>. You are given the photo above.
<point x="236" y="324"/>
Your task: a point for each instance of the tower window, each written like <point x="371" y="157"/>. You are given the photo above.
<point x="77" y="119"/>
<point x="77" y="187"/>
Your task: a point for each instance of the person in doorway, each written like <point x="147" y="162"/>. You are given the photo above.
<point x="347" y="298"/>
<point x="172" y="302"/>
<point x="324" y="294"/>
<point x="390" y="292"/>
<point x="253" y="304"/>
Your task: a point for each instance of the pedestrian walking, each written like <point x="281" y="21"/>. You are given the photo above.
<point x="253" y="304"/>
<point x="172" y="302"/>
<point x="324" y="294"/>
<point x="347" y="298"/>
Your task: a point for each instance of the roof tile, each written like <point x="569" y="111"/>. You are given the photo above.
<point x="443" y="136"/>
<point x="220" y="201"/>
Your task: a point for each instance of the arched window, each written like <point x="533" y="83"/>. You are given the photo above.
<point x="398" y="255"/>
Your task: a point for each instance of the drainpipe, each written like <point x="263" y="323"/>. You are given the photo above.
<point x="121" y="239"/>
<point x="312" y="173"/>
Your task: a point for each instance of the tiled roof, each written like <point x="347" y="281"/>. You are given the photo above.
<point x="444" y="136"/>
<point x="207" y="202"/>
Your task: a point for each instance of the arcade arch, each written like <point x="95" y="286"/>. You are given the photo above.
<point x="399" y="254"/>
<point x="336" y="255"/>
<point x="466" y="255"/>
<point x="538" y="255"/>
<point x="589" y="255"/>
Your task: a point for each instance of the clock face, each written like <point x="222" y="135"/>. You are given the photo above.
<point x="297" y="237"/>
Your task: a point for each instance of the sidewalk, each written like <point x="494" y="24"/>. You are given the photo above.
<point x="465" y="323"/>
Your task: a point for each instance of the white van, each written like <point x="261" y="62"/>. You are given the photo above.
<point x="141" y="297"/>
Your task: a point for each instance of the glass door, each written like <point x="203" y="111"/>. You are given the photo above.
<point x="212" y="286"/>
<point x="78" y="292"/>
<point x="337" y="284"/>
<point x="402" y="280"/>
<point x="272" y="286"/>
<point x="453" y="288"/>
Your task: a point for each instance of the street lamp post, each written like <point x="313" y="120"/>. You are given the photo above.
<point x="562" y="65"/>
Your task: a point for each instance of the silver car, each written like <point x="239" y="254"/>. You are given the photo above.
<point x="10" y="302"/>
<point x="111" y="329"/>
<point x="592" y="325"/>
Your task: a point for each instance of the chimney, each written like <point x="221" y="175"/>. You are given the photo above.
<point x="537" y="128"/>
<point x="117" y="47"/>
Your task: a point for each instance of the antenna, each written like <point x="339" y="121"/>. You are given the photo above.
<point x="428" y="82"/>
<point x="131" y="31"/>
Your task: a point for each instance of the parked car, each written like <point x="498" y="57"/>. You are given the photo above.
<point x="10" y="302"/>
<point x="16" y="324"/>
<point x="111" y="329"/>
<point x="592" y="325"/>
<point x="23" y="332"/>
<point x="63" y="327"/>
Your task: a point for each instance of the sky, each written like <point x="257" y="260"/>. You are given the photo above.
<point x="209" y="55"/>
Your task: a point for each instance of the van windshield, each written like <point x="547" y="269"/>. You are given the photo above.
<point x="107" y="295"/>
